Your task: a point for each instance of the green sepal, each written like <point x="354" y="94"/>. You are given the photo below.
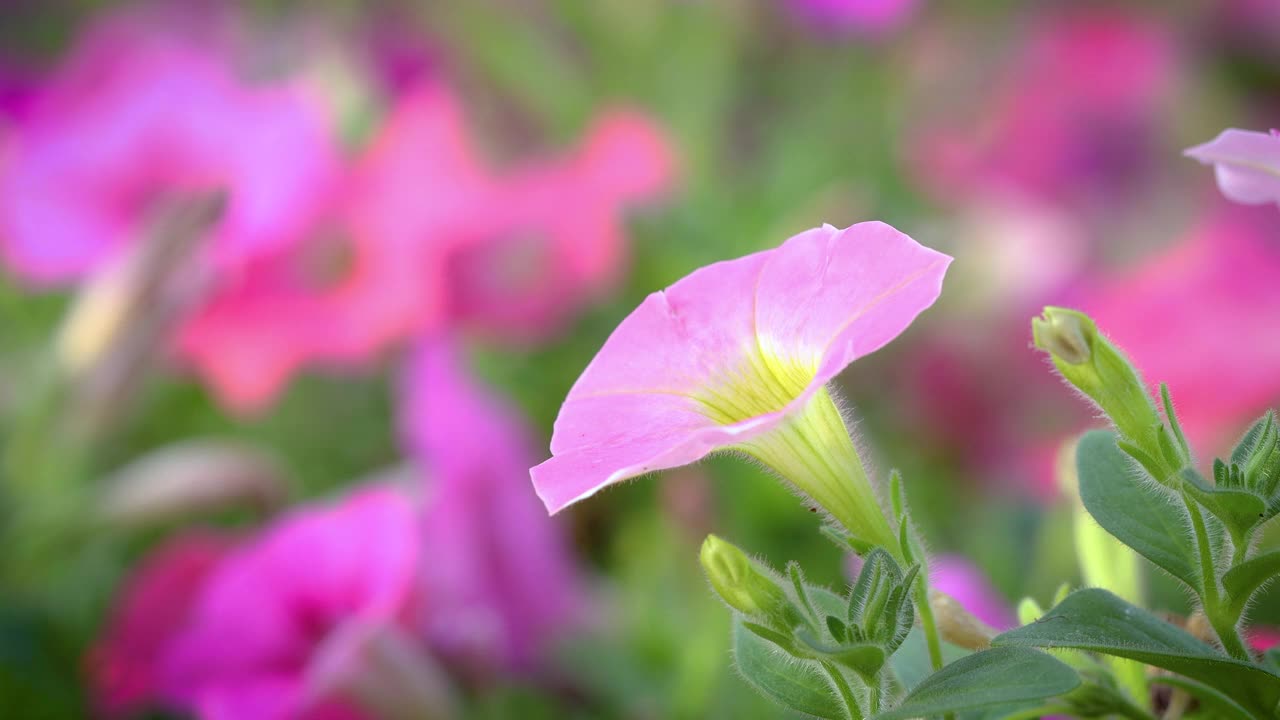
<point x="1238" y="509"/>
<point x="1243" y="580"/>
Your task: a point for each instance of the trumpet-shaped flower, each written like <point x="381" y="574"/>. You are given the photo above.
<point x="736" y="356"/>
<point x="1247" y="164"/>
<point x="503" y="580"/>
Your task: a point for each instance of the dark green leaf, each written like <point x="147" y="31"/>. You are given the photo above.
<point x="1098" y="621"/>
<point x="996" y="677"/>
<point x="910" y="662"/>
<point x="796" y="684"/>
<point x="1141" y="515"/>
<point x="1244" y="579"/>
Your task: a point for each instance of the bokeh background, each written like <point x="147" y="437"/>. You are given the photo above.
<point x="291" y="293"/>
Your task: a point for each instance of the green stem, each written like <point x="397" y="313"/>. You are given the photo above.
<point x="1219" y="615"/>
<point x="873" y="699"/>
<point x="846" y="692"/>
<point x="930" y="626"/>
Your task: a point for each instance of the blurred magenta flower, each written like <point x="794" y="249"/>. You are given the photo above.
<point x="154" y="606"/>
<point x="963" y="581"/>
<point x="1215" y="292"/>
<point x="431" y="236"/>
<point x="533" y="260"/>
<point x="503" y="581"/>
<point x="737" y="355"/>
<point x="142" y="114"/>
<point x="1247" y="164"/>
<point x="260" y="639"/>
<point x="1073" y="115"/>
<point x="869" y="18"/>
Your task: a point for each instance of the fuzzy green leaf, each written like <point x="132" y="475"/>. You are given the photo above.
<point x="1100" y="622"/>
<point x="997" y="677"/>
<point x="1141" y="515"/>
<point x="796" y="684"/>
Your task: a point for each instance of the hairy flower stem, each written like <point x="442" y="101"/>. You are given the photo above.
<point x="1218" y="613"/>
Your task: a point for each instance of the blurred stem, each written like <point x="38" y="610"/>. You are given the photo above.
<point x="927" y="622"/>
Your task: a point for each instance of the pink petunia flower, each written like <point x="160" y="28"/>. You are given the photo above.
<point x="431" y="235"/>
<point x="1071" y="116"/>
<point x="262" y="637"/>
<point x="736" y="356"/>
<point x="1247" y="164"/>
<point x="533" y="261"/>
<point x="508" y="580"/>
<point x="155" y="605"/>
<point x="141" y="115"/>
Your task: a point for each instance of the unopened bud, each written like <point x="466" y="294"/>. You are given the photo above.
<point x="1064" y="334"/>
<point x="1096" y="367"/>
<point x="191" y="478"/>
<point x="743" y="585"/>
<point x="956" y="625"/>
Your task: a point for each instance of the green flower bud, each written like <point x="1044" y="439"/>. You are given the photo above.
<point x="744" y="586"/>
<point x="1099" y="369"/>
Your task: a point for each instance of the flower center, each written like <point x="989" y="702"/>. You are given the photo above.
<point x="764" y="383"/>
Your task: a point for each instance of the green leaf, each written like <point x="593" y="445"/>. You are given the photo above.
<point x="1100" y="622"/>
<point x="1239" y="510"/>
<point x="997" y="677"/>
<point x="1140" y="515"/>
<point x="1244" y="579"/>
<point x="911" y="664"/>
<point x="795" y="684"/>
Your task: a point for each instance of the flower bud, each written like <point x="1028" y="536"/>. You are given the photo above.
<point x="194" y="477"/>
<point x="957" y="626"/>
<point x="744" y="586"/>
<point x="1096" y="367"/>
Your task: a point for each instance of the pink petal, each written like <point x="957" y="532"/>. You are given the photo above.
<point x="269" y="606"/>
<point x="1247" y="165"/>
<point x="818" y="302"/>
<point x="508" y="580"/>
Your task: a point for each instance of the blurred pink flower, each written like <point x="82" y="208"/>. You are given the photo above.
<point x="1247" y="164"/>
<point x="962" y="580"/>
<point x="154" y="606"/>
<point x="260" y="640"/>
<point x="141" y="114"/>
<point x="534" y="260"/>
<point x="378" y="276"/>
<point x="732" y="351"/>
<point x="1072" y="115"/>
<point x="507" y="582"/>
<point x="871" y="18"/>
<point x="432" y="236"/>
<point x="1202" y="317"/>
